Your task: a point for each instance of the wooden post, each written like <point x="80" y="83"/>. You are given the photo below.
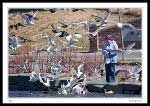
<point x="98" y="46"/>
<point x="121" y="36"/>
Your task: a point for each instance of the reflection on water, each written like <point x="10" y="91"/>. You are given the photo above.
<point x="55" y="94"/>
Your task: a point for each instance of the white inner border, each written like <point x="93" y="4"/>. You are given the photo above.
<point x="142" y="99"/>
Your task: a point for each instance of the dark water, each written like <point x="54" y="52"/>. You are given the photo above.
<point x="54" y="94"/>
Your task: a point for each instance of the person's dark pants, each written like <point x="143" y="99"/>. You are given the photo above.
<point x="110" y="72"/>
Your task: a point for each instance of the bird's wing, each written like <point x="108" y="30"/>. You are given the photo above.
<point x="73" y="82"/>
<point x="52" y="25"/>
<point x="40" y="79"/>
<point x="129" y="47"/>
<point x="78" y="35"/>
<point x="10" y="41"/>
<point x="54" y="29"/>
<point x="35" y="14"/>
<point x="68" y="38"/>
<point x="65" y="23"/>
<point x="80" y="66"/>
<point x="84" y="82"/>
<point x="108" y="15"/>
<point x="75" y="24"/>
<point x="61" y="23"/>
<point x="26" y="19"/>
<point x="51" y="41"/>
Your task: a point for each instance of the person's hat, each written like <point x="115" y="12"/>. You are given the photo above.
<point x="108" y="37"/>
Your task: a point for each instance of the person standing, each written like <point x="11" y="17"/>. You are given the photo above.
<point x="110" y="59"/>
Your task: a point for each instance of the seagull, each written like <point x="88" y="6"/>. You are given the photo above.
<point x="28" y="21"/>
<point x="108" y="92"/>
<point x="16" y="26"/>
<point x="129" y="47"/>
<point x="135" y="74"/>
<point x="127" y="26"/>
<point x="126" y="51"/>
<point x="56" y="50"/>
<point x="137" y="69"/>
<point x="10" y="27"/>
<point x="50" y="40"/>
<point x="79" y="88"/>
<point x="78" y="71"/>
<point x="65" y="89"/>
<point x="47" y="83"/>
<point x="29" y="18"/>
<point x="65" y="23"/>
<point x="69" y="82"/>
<point x="52" y="10"/>
<point x="23" y="39"/>
<point x="71" y="42"/>
<point x="129" y="29"/>
<point x="97" y="71"/>
<point x="57" y="67"/>
<point x="78" y="35"/>
<point x="74" y="9"/>
<point x="54" y="29"/>
<point x="86" y="24"/>
<point x="62" y="90"/>
<point x="13" y="43"/>
<point x="34" y="77"/>
<point x="73" y="82"/>
<point x="93" y="34"/>
<point x="62" y="34"/>
<point x="103" y="21"/>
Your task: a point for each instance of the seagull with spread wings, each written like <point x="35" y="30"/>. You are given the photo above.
<point x="101" y="20"/>
<point x="28" y="19"/>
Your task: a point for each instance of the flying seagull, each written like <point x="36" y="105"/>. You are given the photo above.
<point x="28" y="19"/>
<point x="127" y="26"/>
<point x="62" y="34"/>
<point x="34" y="77"/>
<point x="16" y="26"/>
<point x="126" y="51"/>
<point x="13" y="43"/>
<point x="102" y="20"/>
<point x="50" y="40"/>
<point x="55" y="29"/>
<point x="45" y="83"/>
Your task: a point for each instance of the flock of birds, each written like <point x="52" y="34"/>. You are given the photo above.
<point x="15" y="42"/>
<point x="75" y="85"/>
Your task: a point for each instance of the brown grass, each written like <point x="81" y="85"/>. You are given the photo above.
<point x="42" y="25"/>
